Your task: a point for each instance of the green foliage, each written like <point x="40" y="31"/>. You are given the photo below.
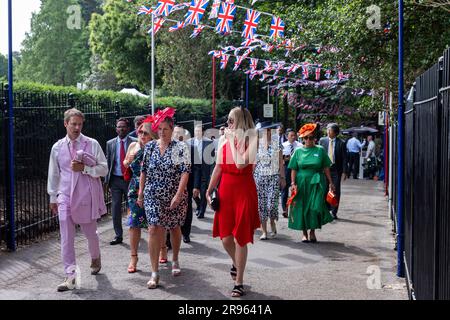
<point x="54" y="52"/>
<point x="129" y="104"/>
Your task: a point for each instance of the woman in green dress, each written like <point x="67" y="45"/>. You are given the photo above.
<point x="310" y="166"/>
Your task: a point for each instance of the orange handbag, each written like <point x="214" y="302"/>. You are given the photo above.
<point x="332" y="199"/>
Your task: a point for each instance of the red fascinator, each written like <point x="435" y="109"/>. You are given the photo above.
<point x="160" y="116"/>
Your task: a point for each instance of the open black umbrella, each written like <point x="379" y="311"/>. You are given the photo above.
<point x="361" y="129"/>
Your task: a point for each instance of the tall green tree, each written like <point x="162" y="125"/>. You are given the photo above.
<point x="56" y="51"/>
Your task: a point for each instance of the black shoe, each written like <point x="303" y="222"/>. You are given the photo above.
<point x="116" y="240"/>
<point x="201" y="216"/>
<point x="186" y="239"/>
<point x="335" y="217"/>
<point x="197" y="213"/>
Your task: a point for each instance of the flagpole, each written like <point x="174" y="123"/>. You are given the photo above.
<point x="153" y="66"/>
<point x="246" y="92"/>
<point x="11" y="241"/>
<point x="214" y="92"/>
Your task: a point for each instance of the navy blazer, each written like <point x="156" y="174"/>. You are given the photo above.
<point x="340" y="154"/>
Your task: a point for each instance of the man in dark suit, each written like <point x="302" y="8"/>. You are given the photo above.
<point x="116" y="150"/>
<point x="204" y="156"/>
<point x="337" y="152"/>
<point x="193" y="188"/>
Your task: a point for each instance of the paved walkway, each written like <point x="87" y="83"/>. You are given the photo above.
<point x="283" y="268"/>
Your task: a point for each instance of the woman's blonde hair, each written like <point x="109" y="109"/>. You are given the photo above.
<point x="148" y="126"/>
<point x="242" y="119"/>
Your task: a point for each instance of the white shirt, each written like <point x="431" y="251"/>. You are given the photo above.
<point x="100" y="170"/>
<point x="287" y="147"/>
<point x="370" y="149"/>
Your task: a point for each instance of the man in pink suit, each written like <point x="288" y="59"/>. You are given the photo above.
<point x="76" y="164"/>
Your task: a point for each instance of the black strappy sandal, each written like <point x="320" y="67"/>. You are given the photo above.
<point x="233" y="272"/>
<point x="238" y="291"/>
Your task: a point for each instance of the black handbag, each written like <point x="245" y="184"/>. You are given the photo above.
<point x="215" y="200"/>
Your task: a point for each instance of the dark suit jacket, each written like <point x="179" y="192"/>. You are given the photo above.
<point x="195" y="172"/>
<point x="340" y="154"/>
<point x="111" y="155"/>
<point x="205" y="168"/>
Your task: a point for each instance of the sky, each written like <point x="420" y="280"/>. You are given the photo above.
<point x="21" y="17"/>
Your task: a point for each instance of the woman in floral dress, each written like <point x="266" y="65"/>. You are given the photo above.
<point x="163" y="193"/>
<point x="136" y="215"/>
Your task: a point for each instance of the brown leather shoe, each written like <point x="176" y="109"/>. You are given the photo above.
<point x="96" y="265"/>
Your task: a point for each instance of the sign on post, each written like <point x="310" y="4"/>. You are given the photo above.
<point x="381" y="118"/>
<point x="268" y="111"/>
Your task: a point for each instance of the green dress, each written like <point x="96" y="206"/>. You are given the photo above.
<point x="309" y="209"/>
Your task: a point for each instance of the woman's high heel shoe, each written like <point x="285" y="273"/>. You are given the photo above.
<point x="154" y="281"/>
<point x="132" y="266"/>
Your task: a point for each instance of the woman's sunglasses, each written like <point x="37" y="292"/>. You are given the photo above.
<point x="308" y="138"/>
<point x="145" y="133"/>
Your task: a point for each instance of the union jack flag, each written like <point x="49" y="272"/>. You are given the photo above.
<point x="229" y="48"/>
<point x="251" y="23"/>
<point x="268" y="47"/>
<point x="250" y="41"/>
<point x="229" y="1"/>
<point x="215" y="53"/>
<point x="253" y="73"/>
<point x="178" y="26"/>
<point x="224" y="61"/>
<point x="276" y="28"/>
<point x="164" y="7"/>
<point x="248" y="51"/>
<point x="289" y="44"/>
<point x="328" y="74"/>
<point x="268" y="66"/>
<point x="197" y="30"/>
<point x="305" y="72"/>
<point x="238" y="62"/>
<point x="318" y="73"/>
<point x="145" y="10"/>
<point x="157" y="25"/>
<point x="215" y="9"/>
<point x="292" y="68"/>
<point x="180" y="6"/>
<point x="196" y="11"/>
<point x="279" y="66"/>
<point x="225" y="18"/>
<point x="263" y="77"/>
<point x="253" y="64"/>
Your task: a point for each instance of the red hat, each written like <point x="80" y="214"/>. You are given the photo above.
<point x="307" y="129"/>
<point x="160" y="116"/>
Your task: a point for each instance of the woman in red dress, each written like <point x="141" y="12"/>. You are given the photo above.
<point x="237" y="217"/>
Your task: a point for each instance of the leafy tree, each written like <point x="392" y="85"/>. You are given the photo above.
<point x="55" y="51"/>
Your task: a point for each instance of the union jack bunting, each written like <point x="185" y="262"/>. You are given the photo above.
<point x="328" y="74"/>
<point x="318" y="73"/>
<point x="276" y="28"/>
<point x="215" y="53"/>
<point x="250" y="41"/>
<point x="145" y="10"/>
<point x="253" y="64"/>
<point x="251" y="23"/>
<point x="305" y="72"/>
<point x="289" y="44"/>
<point x="196" y="11"/>
<point x="180" y="6"/>
<point x="197" y="30"/>
<point x="157" y="25"/>
<point x="224" y="61"/>
<point x="268" y="47"/>
<point x="225" y="18"/>
<point x="253" y="73"/>
<point x="238" y="62"/>
<point x="178" y="26"/>
<point x="268" y="66"/>
<point x="263" y="77"/>
<point x="248" y="51"/>
<point x="292" y="68"/>
<point x="229" y="1"/>
<point x="229" y="48"/>
<point x="215" y="9"/>
<point x="164" y="7"/>
<point x="279" y="66"/>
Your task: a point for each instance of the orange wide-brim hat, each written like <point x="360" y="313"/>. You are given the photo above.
<point x="307" y="129"/>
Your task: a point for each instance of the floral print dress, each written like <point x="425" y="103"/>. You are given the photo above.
<point x="163" y="175"/>
<point x="267" y="178"/>
<point x="136" y="217"/>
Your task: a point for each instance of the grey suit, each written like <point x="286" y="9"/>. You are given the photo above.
<point x="118" y="186"/>
<point x="338" y="167"/>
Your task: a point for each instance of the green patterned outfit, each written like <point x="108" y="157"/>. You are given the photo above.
<point x="309" y="209"/>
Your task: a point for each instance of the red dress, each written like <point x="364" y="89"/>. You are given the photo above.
<point x="238" y="208"/>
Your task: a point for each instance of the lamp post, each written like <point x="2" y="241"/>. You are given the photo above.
<point x="400" y="236"/>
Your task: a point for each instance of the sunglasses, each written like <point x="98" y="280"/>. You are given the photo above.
<point x="145" y="133"/>
<point x="308" y="138"/>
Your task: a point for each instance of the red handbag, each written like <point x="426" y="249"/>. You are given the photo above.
<point x="332" y="199"/>
<point x="128" y="174"/>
